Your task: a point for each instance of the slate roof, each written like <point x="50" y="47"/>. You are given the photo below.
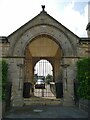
<point x="84" y="40"/>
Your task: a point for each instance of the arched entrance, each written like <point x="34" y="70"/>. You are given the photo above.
<point x="43" y="76"/>
<point x="43" y="42"/>
<point x="41" y="48"/>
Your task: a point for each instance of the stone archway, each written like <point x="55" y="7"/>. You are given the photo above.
<point x="69" y="51"/>
<point x="42" y="47"/>
<point x="67" y="45"/>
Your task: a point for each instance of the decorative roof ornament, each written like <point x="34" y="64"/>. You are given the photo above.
<point x="43" y="7"/>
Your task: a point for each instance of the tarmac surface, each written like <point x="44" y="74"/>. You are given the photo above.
<point x="48" y="111"/>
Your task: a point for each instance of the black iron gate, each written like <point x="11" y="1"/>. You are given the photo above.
<point x="44" y="71"/>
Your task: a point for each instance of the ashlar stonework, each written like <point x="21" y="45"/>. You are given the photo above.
<point x="43" y="30"/>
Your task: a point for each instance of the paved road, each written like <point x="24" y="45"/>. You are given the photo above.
<point x="46" y="112"/>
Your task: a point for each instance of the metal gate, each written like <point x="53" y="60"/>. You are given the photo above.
<point x="46" y="93"/>
<point x="43" y="71"/>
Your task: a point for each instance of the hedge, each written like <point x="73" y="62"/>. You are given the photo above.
<point x="83" y="76"/>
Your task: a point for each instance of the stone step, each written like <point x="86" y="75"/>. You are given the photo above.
<point x="42" y="101"/>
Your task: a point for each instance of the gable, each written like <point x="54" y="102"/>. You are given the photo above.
<point x="41" y="19"/>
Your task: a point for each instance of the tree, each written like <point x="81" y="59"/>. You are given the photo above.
<point x="49" y="78"/>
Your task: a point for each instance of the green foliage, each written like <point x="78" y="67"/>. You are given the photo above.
<point x="0" y="80"/>
<point x="83" y="76"/>
<point x="4" y="78"/>
<point x="49" y="78"/>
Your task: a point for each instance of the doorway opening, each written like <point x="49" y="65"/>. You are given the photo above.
<point x="42" y="71"/>
<point x="43" y="78"/>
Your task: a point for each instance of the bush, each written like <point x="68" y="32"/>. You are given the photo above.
<point x="83" y="76"/>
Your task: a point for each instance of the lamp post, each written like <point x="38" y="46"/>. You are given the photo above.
<point x="65" y="66"/>
<point x="20" y="73"/>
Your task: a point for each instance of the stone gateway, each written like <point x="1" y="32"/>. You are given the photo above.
<point x="43" y="37"/>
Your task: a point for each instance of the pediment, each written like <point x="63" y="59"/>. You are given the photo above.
<point x="41" y="19"/>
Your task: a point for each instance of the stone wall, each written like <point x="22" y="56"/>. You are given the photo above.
<point x="83" y="49"/>
<point x="15" y="73"/>
<point x="84" y="104"/>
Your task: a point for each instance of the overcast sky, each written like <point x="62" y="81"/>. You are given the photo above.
<point x="73" y="14"/>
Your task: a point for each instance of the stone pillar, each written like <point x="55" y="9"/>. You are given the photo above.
<point x="17" y="82"/>
<point x="57" y="70"/>
<point x="68" y="82"/>
<point x="28" y="71"/>
<point x="29" y="75"/>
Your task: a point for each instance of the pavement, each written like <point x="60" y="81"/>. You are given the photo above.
<point x="45" y="111"/>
